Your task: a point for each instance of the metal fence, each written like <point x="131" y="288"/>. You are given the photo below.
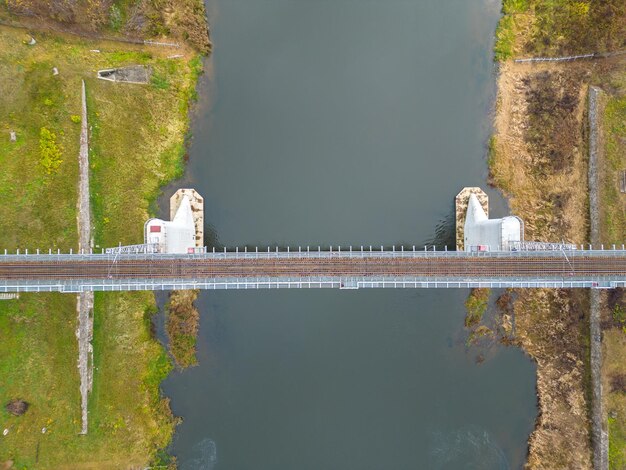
<point x="351" y="283"/>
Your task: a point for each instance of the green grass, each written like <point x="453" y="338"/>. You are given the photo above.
<point x="159" y="82"/>
<point x="617" y="445"/>
<point x="613" y="230"/>
<point x="505" y="38"/>
<point x="130" y="158"/>
<point x="28" y="85"/>
<point x="614" y="202"/>
<point x="510" y="7"/>
<point x="559" y="27"/>
<point x="38" y="355"/>
<point x="507" y="28"/>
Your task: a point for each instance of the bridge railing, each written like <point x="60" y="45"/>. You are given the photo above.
<point x="299" y="283"/>
<point x="321" y="254"/>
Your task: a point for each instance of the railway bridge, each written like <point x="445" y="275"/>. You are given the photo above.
<point x="343" y="269"/>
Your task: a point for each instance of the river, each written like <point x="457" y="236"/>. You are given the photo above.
<point x="334" y="123"/>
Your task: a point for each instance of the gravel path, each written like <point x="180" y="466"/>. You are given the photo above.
<point x="599" y="434"/>
<point x="84" y="306"/>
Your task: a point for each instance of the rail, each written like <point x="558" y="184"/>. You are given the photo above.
<point x="351" y="269"/>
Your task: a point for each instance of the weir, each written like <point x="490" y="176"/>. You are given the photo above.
<point x="173" y="257"/>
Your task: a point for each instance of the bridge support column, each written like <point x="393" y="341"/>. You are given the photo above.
<point x="461" y="203"/>
<point x="197" y="209"/>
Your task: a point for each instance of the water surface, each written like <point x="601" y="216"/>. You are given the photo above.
<point x="334" y="123"/>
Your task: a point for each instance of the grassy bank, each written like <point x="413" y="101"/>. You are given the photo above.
<point x="613" y="230"/>
<point x="613" y="214"/>
<point x="137" y="144"/>
<point x="614" y="389"/>
<point x="559" y="27"/>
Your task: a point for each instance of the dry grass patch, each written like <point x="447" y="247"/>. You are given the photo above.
<point x="539" y="155"/>
<point x="182" y="326"/>
<point x="539" y="159"/>
<point x="550" y="327"/>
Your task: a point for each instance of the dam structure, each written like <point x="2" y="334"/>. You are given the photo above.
<point x="173" y="256"/>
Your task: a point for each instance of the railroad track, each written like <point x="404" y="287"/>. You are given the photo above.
<point x="539" y="266"/>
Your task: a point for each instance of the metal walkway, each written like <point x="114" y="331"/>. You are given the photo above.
<point x="312" y="269"/>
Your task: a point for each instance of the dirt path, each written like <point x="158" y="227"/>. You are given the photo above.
<point x="41" y="24"/>
<point x="84" y="306"/>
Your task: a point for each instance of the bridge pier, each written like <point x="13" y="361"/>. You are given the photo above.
<point x="461" y="203"/>
<point x="197" y="209"/>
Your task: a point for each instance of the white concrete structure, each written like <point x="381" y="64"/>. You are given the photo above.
<point x="197" y="209"/>
<point x="484" y="234"/>
<point x="175" y="236"/>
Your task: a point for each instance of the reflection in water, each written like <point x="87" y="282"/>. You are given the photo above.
<point x="445" y="232"/>
<point x="469" y="447"/>
<point x="203" y="456"/>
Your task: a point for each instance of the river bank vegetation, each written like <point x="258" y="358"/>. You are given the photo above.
<point x="182" y="326"/>
<point x="539" y="159"/>
<point x="137" y="144"/>
<point x="182" y="20"/>
<point x="559" y="28"/>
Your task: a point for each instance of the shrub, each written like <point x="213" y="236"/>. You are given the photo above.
<point x="17" y="407"/>
<point x="619" y="314"/>
<point x="618" y="383"/>
<point x="476" y="305"/>
<point x="115" y="17"/>
<point x="75" y="118"/>
<point x="51" y="152"/>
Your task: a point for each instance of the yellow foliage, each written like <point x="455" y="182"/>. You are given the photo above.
<point x="51" y="152"/>
<point x="579" y="9"/>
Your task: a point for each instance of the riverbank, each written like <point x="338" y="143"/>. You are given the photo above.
<point x="137" y="144"/>
<point x="130" y="21"/>
<point x="539" y="160"/>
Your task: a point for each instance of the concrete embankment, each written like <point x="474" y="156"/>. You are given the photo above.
<point x="599" y="433"/>
<point x="84" y="306"/>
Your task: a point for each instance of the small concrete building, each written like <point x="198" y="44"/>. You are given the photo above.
<point x="175" y="236"/>
<point x="484" y="234"/>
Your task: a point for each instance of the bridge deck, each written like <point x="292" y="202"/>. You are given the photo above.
<point x="71" y="273"/>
